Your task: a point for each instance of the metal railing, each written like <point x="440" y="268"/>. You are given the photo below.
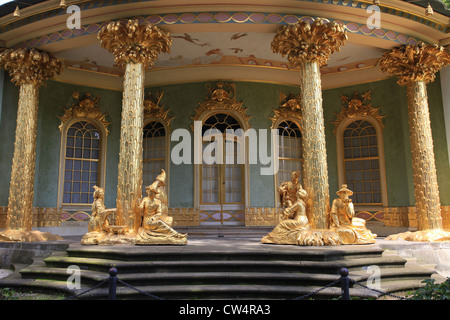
<point x="344" y="282"/>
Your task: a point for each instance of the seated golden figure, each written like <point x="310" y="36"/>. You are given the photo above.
<point x="294" y="220"/>
<point x="294" y="227"/>
<point x="351" y="230"/>
<point x="154" y="229"/>
<point x="98" y="226"/>
<point x="160" y="186"/>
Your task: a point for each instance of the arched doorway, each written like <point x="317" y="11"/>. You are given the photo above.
<point x="222" y="182"/>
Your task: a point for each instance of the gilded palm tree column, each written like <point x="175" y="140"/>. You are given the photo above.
<point x="136" y="46"/>
<point x="309" y="46"/>
<point x="28" y="69"/>
<point x="415" y="66"/>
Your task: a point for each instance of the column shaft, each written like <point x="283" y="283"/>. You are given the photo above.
<point x="426" y="191"/>
<point x="21" y="190"/>
<point x="314" y="145"/>
<point x="129" y="187"/>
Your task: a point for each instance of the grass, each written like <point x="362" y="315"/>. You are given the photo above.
<point x="10" y="294"/>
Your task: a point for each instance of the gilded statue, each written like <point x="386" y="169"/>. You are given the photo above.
<point x="98" y="226"/>
<point x="160" y="186"/>
<point x="292" y="198"/>
<point x="351" y="230"/>
<point x="294" y="227"/>
<point x="154" y="229"/>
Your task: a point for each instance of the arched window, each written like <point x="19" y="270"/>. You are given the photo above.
<point x="290" y="151"/>
<point x="81" y="162"/>
<point x="362" y="162"/>
<point x="154" y="144"/>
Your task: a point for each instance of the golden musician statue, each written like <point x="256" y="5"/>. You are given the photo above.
<point x="294" y="227"/>
<point x="155" y="223"/>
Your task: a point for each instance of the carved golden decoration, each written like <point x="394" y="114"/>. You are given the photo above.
<point x="222" y="98"/>
<point x="294" y="227"/>
<point x="85" y="107"/>
<point x="42" y="217"/>
<point x="29" y="66"/>
<point x="290" y="107"/>
<point x="135" y="45"/>
<point x="152" y="109"/>
<point x="257" y="216"/>
<point x="351" y="229"/>
<point x="129" y="187"/>
<point x="185" y="216"/>
<point x="415" y="66"/>
<point x="415" y="62"/>
<point x="309" y="46"/>
<point x="315" y="167"/>
<point x="305" y="42"/>
<point x="357" y="106"/>
<point x="29" y="69"/>
<point x="154" y="225"/>
<point x="134" y="41"/>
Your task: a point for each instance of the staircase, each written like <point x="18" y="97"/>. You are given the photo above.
<point x="217" y="268"/>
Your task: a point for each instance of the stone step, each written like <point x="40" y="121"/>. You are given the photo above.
<point x="218" y="251"/>
<point x="89" y="277"/>
<point x="205" y="264"/>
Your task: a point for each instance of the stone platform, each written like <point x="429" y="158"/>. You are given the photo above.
<point x="223" y="267"/>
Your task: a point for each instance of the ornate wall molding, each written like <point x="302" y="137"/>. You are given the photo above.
<point x="358" y="105"/>
<point x="221" y="98"/>
<point x="86" y="107"/>
<point x="289" y="107"/>
<point x="153" y="109"/>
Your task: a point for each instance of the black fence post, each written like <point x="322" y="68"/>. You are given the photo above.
<point x="345" y="284"/>
<point x="112" y="283"/>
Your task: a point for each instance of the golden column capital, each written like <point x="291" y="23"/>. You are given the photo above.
<point x="415" y="62"/>
<point x="29" y="66"/>
<point x="309" y="42"/>
<point x="134" y="41"/>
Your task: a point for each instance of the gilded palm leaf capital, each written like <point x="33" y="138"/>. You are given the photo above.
<point x="306" y="41"/>
<point x="134" y="41"/>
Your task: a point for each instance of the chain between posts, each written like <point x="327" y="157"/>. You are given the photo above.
<point x="344" y="282"/>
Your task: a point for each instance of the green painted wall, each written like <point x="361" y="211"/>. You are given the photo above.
<point x="7" y="132"/>
<point x="259" y="99"/>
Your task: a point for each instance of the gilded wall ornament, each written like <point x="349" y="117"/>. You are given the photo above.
<point x="153" y="109"/>
<point x="415" y="62"/>
<point x="85" y="107"/>
<point x="134" y="41"/>
<point x="29" y="65"/>
<point x="221" y="98"/>
<point x="290" y="107"/>
<point x="357" y="106"/>
<point x="309" y="42"/>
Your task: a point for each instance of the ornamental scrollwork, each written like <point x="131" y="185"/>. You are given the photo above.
<point x="221" y="98"/>
<point x="357" y="106"/>
<point x="289" y="107"/>
<point x="153" y="109"/>
<point x="86" y="107"/>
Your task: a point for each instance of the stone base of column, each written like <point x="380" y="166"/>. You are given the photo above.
<point x="27" y="236"/>
<point x="430" y="235"/>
